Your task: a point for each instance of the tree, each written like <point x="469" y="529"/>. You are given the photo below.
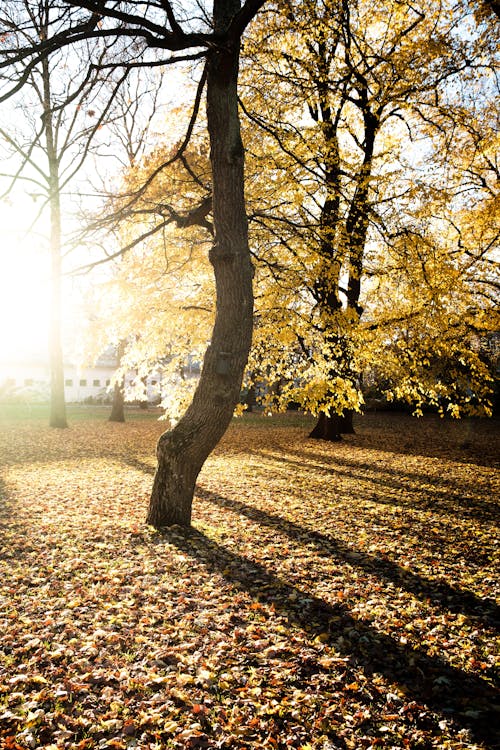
<point x="54" y="147"/>
<point x="117" y="407"/>
<point x="344" y="211"/>
<point x="183" y="450"/>
<point x="432" y="342"/>
<point x="374" y="80"/>
<point x="136" y="106"/>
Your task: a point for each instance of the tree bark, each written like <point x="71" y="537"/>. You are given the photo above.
<point x="117" y="407"/>
<point x="333" y="427"/>
<point x="57" y="398"/>
<point x="182" y="451"/>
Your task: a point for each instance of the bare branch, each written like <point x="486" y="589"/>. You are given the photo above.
<point x="144" y="236"/>
<point x="178" y="154"/>
<point x="174" y="25"/>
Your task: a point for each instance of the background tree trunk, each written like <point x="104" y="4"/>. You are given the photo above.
<point x="251" y="398"/>
<point x="182" y="451"/>
<point x="333" y="427"/>
<point x="117" y="407"/>
<point x="57" y="397"/>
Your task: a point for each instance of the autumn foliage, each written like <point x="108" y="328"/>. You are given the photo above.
<point x="328" y="596"/>
<point x="371" y="183"/>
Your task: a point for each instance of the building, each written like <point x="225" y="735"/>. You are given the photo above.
<point x="29" y="380"/>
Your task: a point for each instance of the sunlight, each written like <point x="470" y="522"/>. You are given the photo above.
<point x="24" y="287"/>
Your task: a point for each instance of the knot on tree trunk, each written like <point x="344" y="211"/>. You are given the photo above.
<point x="173" y="442"/>
<point x="222" y="254"/>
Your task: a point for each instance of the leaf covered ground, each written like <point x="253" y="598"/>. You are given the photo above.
<point x="329" y="595"/>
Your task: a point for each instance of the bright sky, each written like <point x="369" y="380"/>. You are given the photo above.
<point x="24" y="285"/>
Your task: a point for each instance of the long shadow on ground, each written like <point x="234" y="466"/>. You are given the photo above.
<point x="6" y="513"/>
<point x="439" y="494"/>
<point x="470" y="440"/>
<point x="441" y="593"/>
<point x="468" y="700"/>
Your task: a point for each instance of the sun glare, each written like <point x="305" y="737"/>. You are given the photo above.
<point x="24" y="289"/>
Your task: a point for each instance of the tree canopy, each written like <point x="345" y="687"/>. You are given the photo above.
<point x="373" y="207"/>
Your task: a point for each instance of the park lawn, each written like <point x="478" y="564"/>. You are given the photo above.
<point x="328" y="596"/>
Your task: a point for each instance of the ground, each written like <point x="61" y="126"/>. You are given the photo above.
<point x="329" y="595"/>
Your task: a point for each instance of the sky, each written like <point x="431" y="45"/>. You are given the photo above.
<point x="24" y="284"/>
<point x="24" y="256"/>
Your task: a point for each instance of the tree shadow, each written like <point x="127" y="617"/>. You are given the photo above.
<point x="439" y="593"/>
<point x="5" y="508"/>
<point x="439" y="496"/>
<point x="471" y="440"/>
<point x="10" y="519"/>
<point x="468" y="700"/>
<point x="136" y="463"/>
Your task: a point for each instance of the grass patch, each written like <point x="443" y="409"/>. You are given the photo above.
<point x="39" y="413"/>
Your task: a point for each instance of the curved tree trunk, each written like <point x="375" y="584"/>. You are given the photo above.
<point x="182" y="451"/>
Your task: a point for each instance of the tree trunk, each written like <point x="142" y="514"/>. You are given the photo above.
<point x="251" y="398"/>
<point x="144" y="404"/>
<point x="57" y="399"/>
<point x="347" y="426"/>
<point x="117" y="407"/>
<point x="333" y="427"/>
<point x="182" y="451"/>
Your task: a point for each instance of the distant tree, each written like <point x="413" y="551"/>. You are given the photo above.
<point x="438" y="282"/>
<point x="55" y="120"/>
<point x="160" y="296"/>
<point x="128" y="138"/>
<point x="118" y="405"/>
<point x="359" y="150"/>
